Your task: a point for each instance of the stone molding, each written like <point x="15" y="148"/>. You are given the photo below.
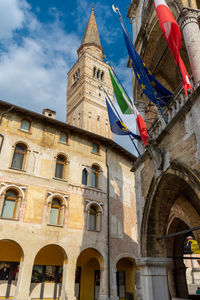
<point x="155" y="266"/>
<point x="90" y="202"/>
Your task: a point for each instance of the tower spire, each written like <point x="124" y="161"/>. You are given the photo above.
<point x="91" y="37"/>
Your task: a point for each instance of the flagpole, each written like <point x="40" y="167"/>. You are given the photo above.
<point x="130" y="136"/>
<point x="117" y="11"/>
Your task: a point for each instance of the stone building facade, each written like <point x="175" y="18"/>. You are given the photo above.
<point x="167" y="174"/>
<point x="68" y="226"/>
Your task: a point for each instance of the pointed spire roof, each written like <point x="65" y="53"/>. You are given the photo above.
<point x="91" y="34"/>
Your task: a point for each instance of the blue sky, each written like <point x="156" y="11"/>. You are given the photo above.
<point x="38" y="44"/>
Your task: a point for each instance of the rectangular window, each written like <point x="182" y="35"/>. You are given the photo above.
<point x="54" y="214"/>
<point x="17" y="162"/>
<point x="47" y="274"/>
<point x="8" y="209"/>
<point x="59" y="170"/>
<point x="92" y="222"/>
<point x="63" y="137"/>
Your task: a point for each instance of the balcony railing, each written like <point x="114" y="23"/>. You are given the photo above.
<point x="173" y="107"/>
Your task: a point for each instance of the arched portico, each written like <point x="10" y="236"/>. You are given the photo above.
<point x="172" y="205"/>
<point x="49" y="273"/>
<point x="89" y="269"/>
<point x="11" y="254"/>
<point x="125" y="268"/>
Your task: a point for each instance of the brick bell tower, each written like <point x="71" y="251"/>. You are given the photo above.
<point x="86" y="106"/>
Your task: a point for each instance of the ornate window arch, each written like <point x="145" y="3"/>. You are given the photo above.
<point x="56" y="209"/>
<point x="94" y="215"/>
<point x="11" y="198"/>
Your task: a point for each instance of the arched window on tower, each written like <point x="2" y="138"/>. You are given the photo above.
<point x="84" y="177"/>
<point x="95" y="176"/>
<point x="102" y="75"/>
<point x="94" y="72"/>
<point x="98" y="74"/>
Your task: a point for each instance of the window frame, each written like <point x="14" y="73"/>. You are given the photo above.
<point x="64" y="163"/>
<point x="30" y="124"/>
<point x="86" y="171"/>
<point x="16" y="199"/>
<point x="63" y="199"/>
<point x="98" y="216"/>
<point x="24" y="146"/>
<point x="59" y="211"/>
<point x="67" y="138"/>
<point x="98" y="145"/>
<point x="95" y="172"/>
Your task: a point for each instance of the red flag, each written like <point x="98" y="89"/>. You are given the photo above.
<point x="142" y="129"/>
<point x="172" y="34"/>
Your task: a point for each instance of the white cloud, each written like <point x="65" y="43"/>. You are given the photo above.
<point x="33" y="74"/>
<point x="12" y="15"/>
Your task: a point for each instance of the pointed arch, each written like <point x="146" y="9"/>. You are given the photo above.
<point x="177" y="180"/>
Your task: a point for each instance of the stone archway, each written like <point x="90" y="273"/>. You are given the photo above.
<point x="172" y="205"/>
<point x="164" y="191"/>
<point x="126" y="278"/>
<point x="88" y="274"/>
<point x="49" y="273"/>
<point x="11" y="255"/>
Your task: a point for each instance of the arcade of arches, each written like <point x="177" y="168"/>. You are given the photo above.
<point x="49" y="271"/>
<point x="172" y="206"/>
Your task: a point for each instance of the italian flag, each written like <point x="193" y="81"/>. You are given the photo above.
<point x="129" y="108"/>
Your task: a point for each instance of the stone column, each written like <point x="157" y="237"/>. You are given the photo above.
<point x="24" y="279"/>
<point x="103" y="290"/>
<point x="138" y="285"/>
<point x="70" y="280"/>
<point x="114" y="285"/>
<point x="153" y="278"/>
<point x="64" y="280"/>
<point x="190" y="27"/>
<point x="171" y="281"/>
<point x="180" y="279"/>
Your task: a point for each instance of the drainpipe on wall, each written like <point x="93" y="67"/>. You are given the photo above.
<point x="1" y="117"/>
<point x="108" y="220"/>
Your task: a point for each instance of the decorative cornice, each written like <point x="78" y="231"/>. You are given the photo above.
<point x="188" y="15"/>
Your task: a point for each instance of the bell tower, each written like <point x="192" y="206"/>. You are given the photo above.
<point x="86" y="106"/>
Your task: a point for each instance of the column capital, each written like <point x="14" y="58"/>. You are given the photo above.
<point x="188" y="15"/>
<point x="154" y="261"/>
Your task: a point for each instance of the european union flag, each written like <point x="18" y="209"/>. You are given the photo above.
<point x="117" y="126"/>
<point x="151" y="87"/>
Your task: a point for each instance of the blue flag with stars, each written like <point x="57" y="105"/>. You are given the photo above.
<point x="151" y="87"/>
<point x="117" y="126"/>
